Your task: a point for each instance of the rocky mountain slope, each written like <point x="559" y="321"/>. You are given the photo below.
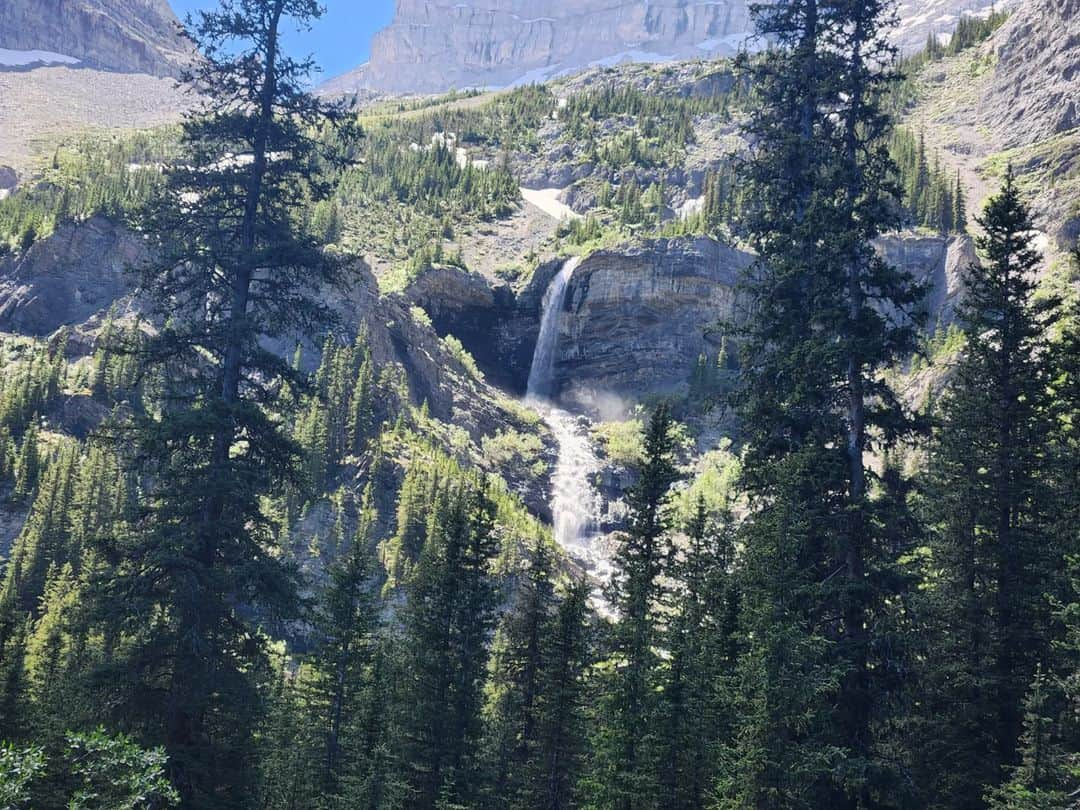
<point x="32" y="122"/>
<point x="461" y="324"/>
<point x="1036" y="86"/>
<point x="1013" y="101"/>
<point x="435" y="45"/>
<point x="82" y="65"/>
<point x="137" y="36"/>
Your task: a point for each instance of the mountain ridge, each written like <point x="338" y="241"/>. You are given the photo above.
<point x="438" y="45"/>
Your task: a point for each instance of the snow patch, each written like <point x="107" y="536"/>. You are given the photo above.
<point x="547" y="200"/>
<point x="13" y="58"/>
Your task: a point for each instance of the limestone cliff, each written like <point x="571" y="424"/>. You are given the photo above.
<point x="435" y="45"/>
<point x="137" y="36"/>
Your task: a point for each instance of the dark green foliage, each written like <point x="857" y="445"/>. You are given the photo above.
<point x="836" y="635"/>
<point x="94" y="770"/>
<point x="30" y="384"/>
<point x="429" y="178"/>
<point x="535" y="737"/>
<point x="448" y="618"/>
<point x="663" y="123"/>
<point x="992" y="505"/>
<point x="815" y="696"/>
<point x="346" y="629"/>
<point x="1040" y="780"/>
<point x="111" y="177"/>
<point x="517" y="670"/>
<point x="933" y="197"/>
<point x="197" y="574"/>
<point x="560" y="750"/>
<point x="696" y="715"/>
<point x="626" y="755"/>
<point x="340" y="415"/>
<point x="970" y="30"/>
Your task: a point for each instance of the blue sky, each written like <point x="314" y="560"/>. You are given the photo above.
<point x="339" y="41"/>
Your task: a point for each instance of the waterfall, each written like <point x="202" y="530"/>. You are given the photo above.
<point x="542" y="371"/>
<point x="575" y="503"/>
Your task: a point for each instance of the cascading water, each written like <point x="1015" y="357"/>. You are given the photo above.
<point x="542" y="371"/>
<point x="575" y="504"/>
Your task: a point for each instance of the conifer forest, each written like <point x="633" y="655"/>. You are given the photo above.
<point x="346" y="464"/>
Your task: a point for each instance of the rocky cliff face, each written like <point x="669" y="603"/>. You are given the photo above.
<point x="66" y="279"/>
<point x="1035" y="92"/>
<point x="137" y="36"/>
<point x="435" y="45"/>
<point x="636" y="320"/>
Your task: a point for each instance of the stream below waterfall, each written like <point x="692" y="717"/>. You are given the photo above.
<point x="576" y="504"/>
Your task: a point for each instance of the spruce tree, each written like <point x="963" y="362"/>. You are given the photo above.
<point x="701" y="641"/>
<point x="826" y="316"/>
<point x="993" y="502"/>
<point x="959" y="213"/>
<point x="558" y="757"/>
<point x="346" y="629"/>
<point x="448" y="618"/>
<point x="1040" y="780"/>
<point x="233" y="264"/>
<point x="516" y="680"/>
<point x="626" y="755"/>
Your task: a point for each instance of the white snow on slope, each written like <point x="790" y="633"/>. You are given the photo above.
<point x="12" y="58"/>
<point x="547" y="200"/>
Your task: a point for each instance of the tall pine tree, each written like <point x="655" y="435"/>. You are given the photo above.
<point x="198" y="575"/>
<point x="627" y="750"/>
<point x="993" y="504"/>
<point x="826" y="316"/>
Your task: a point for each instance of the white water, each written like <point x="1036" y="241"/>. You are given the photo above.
<point x="575" y="503"/>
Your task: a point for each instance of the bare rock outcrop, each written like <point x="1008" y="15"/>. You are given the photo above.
<point x="136" y="36"/>
<point x="636" y="320"/>
<point x="1035" y="92"/>
<point x="68" y="278"/>
<point x="433" y="45"/>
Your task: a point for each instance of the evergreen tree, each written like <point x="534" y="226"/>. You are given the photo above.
<point x="702" y="645"/>
<point x="27" y="466"/>
<point x="626" y="755"/>
<point x="815" y="405"/>
<point x="993" y="511"/>
<point x="197" y="576"/>
<point x="448" y="619"/>
<point x="515" y="683"/>
<point x="1039" y="781"/>
<point x="959" y="213"/>
<point x="558" y="756"/>
<point x="347" y="629"/>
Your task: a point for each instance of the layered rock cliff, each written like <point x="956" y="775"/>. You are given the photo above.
<point x="137" y="36"/>
<point x="435" y="45"/>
